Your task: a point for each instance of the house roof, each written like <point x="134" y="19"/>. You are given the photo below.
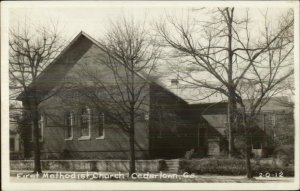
<point x="275" y="104"/>
<point x="98" y="44"/>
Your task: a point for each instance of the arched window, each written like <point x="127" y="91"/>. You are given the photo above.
<point x="100" y="125"/>
<point x="85" y="123"/>
<point x="69" y="123"/>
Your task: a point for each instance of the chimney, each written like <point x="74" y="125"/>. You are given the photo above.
<point x="174" y="82"/>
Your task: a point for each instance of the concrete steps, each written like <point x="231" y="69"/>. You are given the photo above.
<point x="172" y="166"/>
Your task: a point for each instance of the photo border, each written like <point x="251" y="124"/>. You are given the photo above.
<point x="7" y="185"/>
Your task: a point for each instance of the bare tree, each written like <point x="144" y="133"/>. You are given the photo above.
<point x="31" y="50"/>
<point x="288" y="88"/>
<point x="117" y="82"/>
<point x="221" y="51"/>
<point x="266" y="75"/>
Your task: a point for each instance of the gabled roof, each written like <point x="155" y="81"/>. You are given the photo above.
<point x="21" y="95"/>
<point x="69" y="46"/>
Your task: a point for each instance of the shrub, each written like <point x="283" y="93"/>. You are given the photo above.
<point x="230" y="167"/>
<point x="284" y="153"/>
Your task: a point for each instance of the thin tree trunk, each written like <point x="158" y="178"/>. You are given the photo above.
<point x="229" y="131"/>
<point x="37" y="158"/>
<point x="132" y="149"/>
<point x="248" y="153"/>
<point x="132" y="125"/>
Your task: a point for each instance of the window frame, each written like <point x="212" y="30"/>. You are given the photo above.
<point x="102" y="115"/>
<point x="85" y="137"/>
<point x="71" y="115"/>
<point x="273" y="120"/>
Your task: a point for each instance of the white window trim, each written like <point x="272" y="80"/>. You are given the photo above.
<point x="42" y="121"/>
<point x="273" y="120"/>
<point x="86" y="137"/>
<point x="103" y="121"/>
<point x="72" y="127"/>
<point x="83" y="138"/>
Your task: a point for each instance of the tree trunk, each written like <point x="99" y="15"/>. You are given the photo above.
<point x="229" y="124"/>
<point x="231" y="110"/>
<point x="37" y="158"/>
<point x="231" y="88"/>
<point x="26" y="133"/>
<point x="248" y="144"/>
<point x="131" y="142"/>
<point x="132" y="122"/>
<point x="248" y="155"/>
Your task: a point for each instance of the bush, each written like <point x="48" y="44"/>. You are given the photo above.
<point x="230" y="167"/>
<point x="284" y="153"/>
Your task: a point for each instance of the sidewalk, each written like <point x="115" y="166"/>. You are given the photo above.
<point x="55" y="176"/>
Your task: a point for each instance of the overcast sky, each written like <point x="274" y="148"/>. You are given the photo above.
<point x="94" y="19"/>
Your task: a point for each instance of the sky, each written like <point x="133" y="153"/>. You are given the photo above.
<point x="92" y="20"/>
<point x="95" y="19"/>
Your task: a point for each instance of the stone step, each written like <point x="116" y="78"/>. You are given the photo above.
<point x="172" y="170"/>
<point x="172" y="166"/>
<point x="173" y="163"/>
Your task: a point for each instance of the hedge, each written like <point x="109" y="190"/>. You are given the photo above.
<point x="231" y="167"/>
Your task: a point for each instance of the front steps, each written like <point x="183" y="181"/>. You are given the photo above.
<point x="172" y="166"/>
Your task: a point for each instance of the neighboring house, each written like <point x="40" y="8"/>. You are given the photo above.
<point x="274" y="125"/>
<point x="14" y="141"/>
<point x="72" y="127"/>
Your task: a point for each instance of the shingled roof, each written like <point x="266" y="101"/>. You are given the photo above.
<point x="56" y="62"/>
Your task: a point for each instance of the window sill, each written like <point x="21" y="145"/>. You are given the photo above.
<point x="69" y="139"/>
<point x="84" y="138"/>
<point x="100" y="138"/>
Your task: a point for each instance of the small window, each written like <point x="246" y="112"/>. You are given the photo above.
<point x="85" y="123"/>
<point x="273" y="120"/>
<point x="100" y="125"/>
<point x="69" y="117"/>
